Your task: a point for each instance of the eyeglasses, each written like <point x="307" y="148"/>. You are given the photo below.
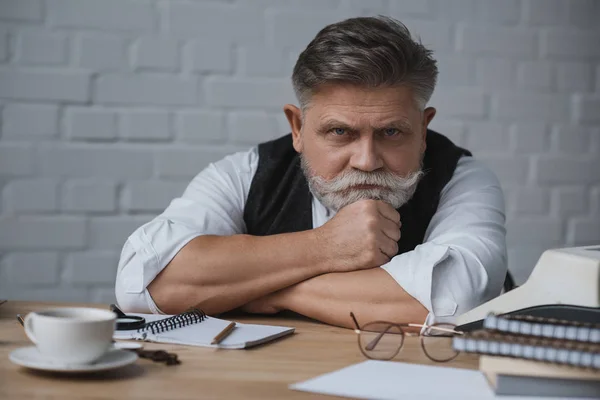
<point x="382" y="340"/>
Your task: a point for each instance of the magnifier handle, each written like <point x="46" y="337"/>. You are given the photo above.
<point x="116" y="310"/>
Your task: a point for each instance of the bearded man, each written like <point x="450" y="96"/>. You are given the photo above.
<point x="361" y="208"/>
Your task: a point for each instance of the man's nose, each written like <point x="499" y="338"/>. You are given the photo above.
<point x="366" y="157"/>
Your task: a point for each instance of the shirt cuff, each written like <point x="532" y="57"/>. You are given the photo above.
<point x="414" y="271"/>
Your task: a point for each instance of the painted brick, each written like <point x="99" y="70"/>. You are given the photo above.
<point x="4" y="46"/>
<point x="151" y="196"/>
<point x="487" y="136"/>
<point x="22" y="10"/>
<point x="497" y="41"/>
<point x="261" y="61"/>
<point x="208" y="56"/>
<point x="102" y="53"/>
<point x="103" y="295"/>
<point x="534" y="230"/>
<point x="535" y="75"/>
<point x="252" y="127"/>
<point x="545" y="12"/>
<point x="495" y="73"/>
<point x="145" y="89"/>
<point x="532" y="200"/>
<point x="263" y="93"/>
<point x="459" y="103"/>
<point x="455" y="71"/>
<point x="185" y="162"/>
<point x="89" y="196"/>
<point x="530" y="137"/>
<point x="574" y="76"/>
<point x="571" y="139"/>
<point x="583" y="13"/>
<point x="569" y="201"/>
<point x="538" y="106"/>
<point x="201" y="126"/>
<point x="42" y="48"/>
<point x="91" y="124"/>
<point x="16" y="160"/>
<point x="584" y="231"/>
<point x="42" y="233"/>
<point x="91" y="267"/>
<point x="31" y="195"/>
<point x="223" y="21"/>
<point x="435" y="35"/>
<point x="147" y="125"/>
<point x="567" y="170"/>
<point x="585" y="108"/>
<point x="161" y="53"/>
<point x="87" y="162"/>
<point x="44" y="85"/>
<point x="33" y="268"/>
<point x="566" y="44"/>
<point x="502" y="12"/>
<point x="110" y="233"/>
<point x="297" y="28"/>
<point x="508" y="169"/>
<point x="27" y="121"/>
<point x="105" y="15"/>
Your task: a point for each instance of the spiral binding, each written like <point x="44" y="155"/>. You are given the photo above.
<point x="190" y="317"/>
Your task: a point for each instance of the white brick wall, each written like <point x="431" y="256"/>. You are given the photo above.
<point x="109" y="107"/>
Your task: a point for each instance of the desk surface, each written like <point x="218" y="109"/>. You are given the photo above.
<point x="259" y="373"/>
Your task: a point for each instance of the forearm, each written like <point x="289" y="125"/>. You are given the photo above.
<point x="370" y="294"/>
<point x="220" y="273"/>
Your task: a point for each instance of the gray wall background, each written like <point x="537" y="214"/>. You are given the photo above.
<point x="109" y="107"/>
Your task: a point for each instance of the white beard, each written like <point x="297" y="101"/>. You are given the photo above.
<point x="338" y="192"/>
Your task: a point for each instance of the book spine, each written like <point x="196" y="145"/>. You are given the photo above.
<point x="552" y="331"/>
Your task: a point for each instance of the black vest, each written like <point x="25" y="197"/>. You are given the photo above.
<point x="279" y="200"/>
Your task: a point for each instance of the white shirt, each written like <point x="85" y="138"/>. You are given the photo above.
<point x="461" y="264"/>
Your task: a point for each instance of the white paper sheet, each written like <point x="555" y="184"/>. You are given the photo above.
<point x="387" y="380"/>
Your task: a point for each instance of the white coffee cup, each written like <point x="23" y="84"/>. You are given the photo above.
<point x="71" y="335"/>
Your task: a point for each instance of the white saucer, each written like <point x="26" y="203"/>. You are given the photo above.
<point x="30" y="357"/>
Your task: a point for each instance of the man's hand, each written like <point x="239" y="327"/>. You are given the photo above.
<point x="361" y="235"/>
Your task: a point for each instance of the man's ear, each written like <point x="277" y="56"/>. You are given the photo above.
<point x="428" y="115"/>
<point x="294" y="117"/>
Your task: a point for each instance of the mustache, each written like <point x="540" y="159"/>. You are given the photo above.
<point x="347" y="179"/>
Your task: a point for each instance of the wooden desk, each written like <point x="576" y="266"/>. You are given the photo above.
<point x="259" y="373"/>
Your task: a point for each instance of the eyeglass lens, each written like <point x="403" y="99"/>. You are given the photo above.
<point x="381" y="340"/>
<point x="437" y="343"/>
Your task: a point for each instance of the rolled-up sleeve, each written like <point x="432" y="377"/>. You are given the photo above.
<point x="462" y="261"/>
<point x="212" y="204"/>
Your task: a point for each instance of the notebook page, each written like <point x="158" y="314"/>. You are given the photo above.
<point x="202" y="333"/>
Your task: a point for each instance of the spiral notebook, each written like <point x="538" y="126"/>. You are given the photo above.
<point x="544" y="327"/>
<point x="559" y="351"/>
<point x="195" y="329"/>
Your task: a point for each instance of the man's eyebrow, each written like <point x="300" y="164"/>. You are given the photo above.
<point x="329" y="124"/>
<point x="398" y="124"/>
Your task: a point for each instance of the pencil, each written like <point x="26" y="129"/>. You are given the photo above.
<point x="223" y="334"/>
<point x="20" y="319"/>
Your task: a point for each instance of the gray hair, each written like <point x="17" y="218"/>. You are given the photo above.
<point x="367" y="51"/>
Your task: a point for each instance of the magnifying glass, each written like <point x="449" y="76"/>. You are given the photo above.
<point x="127" y="322"/>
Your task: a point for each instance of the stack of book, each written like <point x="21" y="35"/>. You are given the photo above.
<point x="533" y="356"/>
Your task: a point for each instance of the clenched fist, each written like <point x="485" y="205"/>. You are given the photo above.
<point x="361" y="235"/>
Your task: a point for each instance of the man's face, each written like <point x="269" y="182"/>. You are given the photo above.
<point x="361" y="143"/>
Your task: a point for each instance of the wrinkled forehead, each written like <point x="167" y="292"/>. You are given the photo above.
<point x="361" y="106"/>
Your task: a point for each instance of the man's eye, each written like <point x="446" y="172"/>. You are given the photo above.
<point x="390" y="132"/>
<point x="339" y="131"/>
